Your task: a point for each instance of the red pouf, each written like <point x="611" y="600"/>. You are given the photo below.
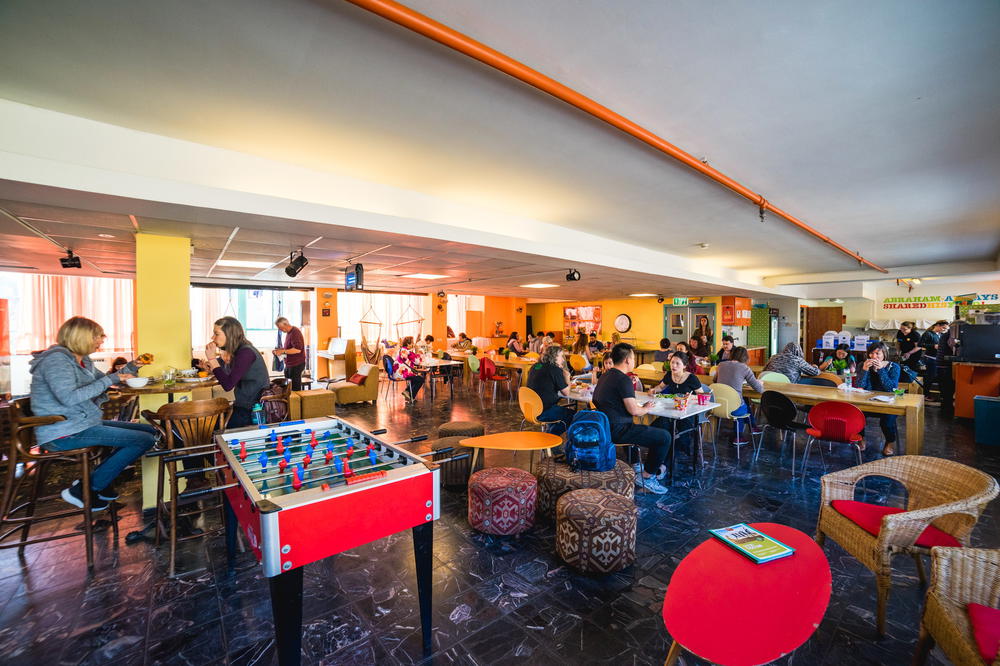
<point x="502" y="500"/>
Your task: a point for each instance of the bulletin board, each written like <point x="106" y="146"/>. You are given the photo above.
<point x="585" y="317"/>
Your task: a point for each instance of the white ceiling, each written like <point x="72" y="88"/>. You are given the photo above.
<point x="387" y="257"/>
<point x="877" y="123"/>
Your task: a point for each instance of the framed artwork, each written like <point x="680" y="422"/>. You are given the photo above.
<point x="584" y="317"/>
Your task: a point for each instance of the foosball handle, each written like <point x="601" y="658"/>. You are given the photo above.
<point x="418" y="438"/>
<point x="380" y="431"/>
<point x="203" y="491"/>
<point x="460" y="456"/>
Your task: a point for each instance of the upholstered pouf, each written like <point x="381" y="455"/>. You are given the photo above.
<point x="555" y="479"/>
<point x="595" y="530"/>
<point x="461" y="428"/>
<point x="502" y="500"/>
<point x="454" y="474"/>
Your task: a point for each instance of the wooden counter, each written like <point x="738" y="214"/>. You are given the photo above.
<point x="972" y="379"/>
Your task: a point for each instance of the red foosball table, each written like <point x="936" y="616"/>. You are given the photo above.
<point x="304" y="490"/>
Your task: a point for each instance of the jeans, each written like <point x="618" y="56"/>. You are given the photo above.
<point x="130" y="441"/>
<point x="414" y="383"/>
<point x="561" y="414"/>
<point x="888" y="424"/>
<point x="241" y="417"/>
<point x="930" y="373"/>
<point x="655" y="438"/>
<point x="294" y="374"/>
<point x="744" y="410"/>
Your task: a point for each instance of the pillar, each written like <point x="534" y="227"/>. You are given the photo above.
<point x="162" y="319"/>
<point x="439" y="321"/>
<point x="326" y="327"/>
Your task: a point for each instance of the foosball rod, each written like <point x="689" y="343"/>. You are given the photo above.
<point x="287" y="441"/>
<point x="317" y="465"/>
<point x="322" y="478"/>
<point x="248" y="465"/>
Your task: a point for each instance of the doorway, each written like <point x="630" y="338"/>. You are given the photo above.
<point x="680" y="322"/>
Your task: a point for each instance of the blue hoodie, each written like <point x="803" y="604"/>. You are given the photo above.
<point x="62" y="386"/>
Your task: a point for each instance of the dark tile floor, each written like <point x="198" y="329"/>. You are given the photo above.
<point x="497" y="600"/>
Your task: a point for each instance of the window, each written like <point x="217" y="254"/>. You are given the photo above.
<point x="255" y="308"/>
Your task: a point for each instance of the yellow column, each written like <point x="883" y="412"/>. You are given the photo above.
<point x="163" y="318"/>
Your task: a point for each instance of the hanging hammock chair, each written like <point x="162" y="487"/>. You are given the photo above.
<point x="410" y="323"/>
<point x="371" y="332"/>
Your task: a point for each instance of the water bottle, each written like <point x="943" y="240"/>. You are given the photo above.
<point x="258" y="414"/>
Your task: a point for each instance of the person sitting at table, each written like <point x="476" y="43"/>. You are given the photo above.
<point x="735" y="373"/>
<point x="690" y="361"/>
<point x="662" y="355"/>
<point x="679" y="379"/>
<point x="463" y="343"/>
<point x="514" y="344"/>
<point x="581" y="347"/>
<point x="594" y="345"/>
<point x="726" y="350"/>
<point x="426" y="346"/>
<point x="791" y="363"/>
<point x="238" y="366"/>
<point x="119" y="364"/>
<point x="536" y="342"/>
<point x="840" y="360"/>
<point x="550" y="380"/>
<point x="615" y="396"/>
<point x="65" y="383"/>
<point x="879" y="374"/>
<point x="406" y="367"/>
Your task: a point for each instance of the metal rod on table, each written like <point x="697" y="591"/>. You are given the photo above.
<point x="322" y="478"/>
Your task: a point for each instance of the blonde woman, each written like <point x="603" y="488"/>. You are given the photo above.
<point x="65" y="383"/>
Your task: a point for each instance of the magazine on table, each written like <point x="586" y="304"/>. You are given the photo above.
<point x="755" y="545"/>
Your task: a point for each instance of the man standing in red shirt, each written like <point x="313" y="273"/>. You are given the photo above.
<point x="294" y="351"/>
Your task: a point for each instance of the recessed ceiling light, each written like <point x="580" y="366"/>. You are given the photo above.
<point x="539" y="285"/>
<point x="237" y="263"/>
<point x="424" y="276"/>
<point x="105" y="235"/>
<point x="641" y="295"/>
<point x="703" y="246"/>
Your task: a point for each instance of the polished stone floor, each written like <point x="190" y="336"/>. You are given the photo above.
<point x="497" y="600"/>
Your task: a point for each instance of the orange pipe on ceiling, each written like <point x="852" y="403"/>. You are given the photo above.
<point x="428" y="27"/>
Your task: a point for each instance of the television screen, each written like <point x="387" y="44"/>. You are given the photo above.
<point x="980" y="342"/>
<point x="354" y="277"/>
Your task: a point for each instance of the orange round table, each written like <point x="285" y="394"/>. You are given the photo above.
<point x="521" y="440"/>
<point x="724" y="608"/>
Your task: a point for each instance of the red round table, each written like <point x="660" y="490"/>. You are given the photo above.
<point x="724" y="608"/>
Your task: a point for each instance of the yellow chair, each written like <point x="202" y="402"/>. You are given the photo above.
<point x="577" y="362"/>
<point x="531" y="406"/>
<point x="729" y="401"/>
<point x="647" y="366"/>
<point x="533" y="355"/>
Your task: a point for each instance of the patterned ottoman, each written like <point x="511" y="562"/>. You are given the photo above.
<point x="454" y="474"/>
<point x="502" y="500"/>
<point x="555" y="479"/>
<point x="595" y="530"/>
<point x="461" y="428"/>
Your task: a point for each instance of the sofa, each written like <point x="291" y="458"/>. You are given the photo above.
<point x="347" y="392"/>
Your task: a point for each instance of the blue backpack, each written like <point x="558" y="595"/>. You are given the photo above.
<point x="588" y="442"/>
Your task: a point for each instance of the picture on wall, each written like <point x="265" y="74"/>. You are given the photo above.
<point x="586" y="318"/>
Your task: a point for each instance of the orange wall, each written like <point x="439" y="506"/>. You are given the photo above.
<point x="505" y="309"/>
<point x="439" y="321"/>
<point x="326" y="327"/>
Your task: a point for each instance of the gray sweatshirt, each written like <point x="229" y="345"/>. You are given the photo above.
<point x="62" y="386"/>
<point x="734" y="373"/>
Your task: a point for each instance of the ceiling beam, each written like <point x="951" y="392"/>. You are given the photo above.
<point x="921" y="271"/>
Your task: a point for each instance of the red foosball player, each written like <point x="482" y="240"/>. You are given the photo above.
<point x="348" y="472"/>
<point x="306" y="459"/>
<point x="296" y="479"/>
<point x="280" y="448"/>
<point x="243" y="451"/>
<point x="329" y="456"/>
<point x="312" y="441"/>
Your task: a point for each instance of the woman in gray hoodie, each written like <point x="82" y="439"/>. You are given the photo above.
<point x="65" y="383"/>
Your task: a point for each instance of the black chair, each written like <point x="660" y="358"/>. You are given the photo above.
<point x="780" y="412"/>
<point x="816" y="381"/>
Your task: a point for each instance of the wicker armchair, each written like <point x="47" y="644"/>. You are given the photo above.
<point x="959" y="576"/>
<point x="947" y="494"/>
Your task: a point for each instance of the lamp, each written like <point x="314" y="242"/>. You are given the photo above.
<point x="296" y="262"/>
<point x="573" y="275"/>
<point x="70" y="260"/>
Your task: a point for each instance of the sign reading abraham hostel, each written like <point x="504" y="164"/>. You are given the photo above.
<point x="934" y="302"/>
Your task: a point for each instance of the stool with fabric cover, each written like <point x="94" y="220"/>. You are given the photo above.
<point x="502" y="500"/>
<point x="595" y="530"/>
<point x="461" y="428"/>
<point x="453" y="474"/>
<point x="555" y="479"/>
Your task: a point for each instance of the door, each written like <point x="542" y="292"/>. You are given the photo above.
<point x="695" y="315"/>
<point x="675" y="323"/>
<point x="818" y="322"/>
<point x="528" y="327"/>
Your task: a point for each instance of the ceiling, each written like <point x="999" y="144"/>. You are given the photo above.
<point x="105" y="242"/>
<point x="877" y="123"/>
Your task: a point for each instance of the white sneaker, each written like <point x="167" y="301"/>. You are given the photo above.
<point x="650" y="484"/>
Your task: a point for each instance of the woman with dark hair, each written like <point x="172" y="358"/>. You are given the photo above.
<point x="406" y="366"/>
<point x="840" y="361"/>
<point x="118" y="365"/>
<point x="514" y="344"/>
<point x="581" y="346"/>
<point x="879" y="374"/>
<point x="550" y="380"/>
<point x="679" y="379"/>
<point x="690" y="364"/>
<point x="238" y="366"/>
<point x="704" y="330"/>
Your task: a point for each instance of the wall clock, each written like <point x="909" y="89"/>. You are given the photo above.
<point x="623" y="323"/>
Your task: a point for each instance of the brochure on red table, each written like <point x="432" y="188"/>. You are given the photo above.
<point x="755" y="545"/>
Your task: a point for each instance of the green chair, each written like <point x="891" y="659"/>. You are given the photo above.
<point x="775" y="377"/>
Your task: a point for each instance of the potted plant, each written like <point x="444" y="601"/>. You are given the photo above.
<point x="474" y="349"/>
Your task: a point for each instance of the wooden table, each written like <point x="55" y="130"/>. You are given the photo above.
<point x="428" y="365"/>
<point x="519" y="365"/>
<point x="523" y="440"/>
<point x="725" y="609"/>
<point x="159" y="388"/>
<point x="909" y="405"/>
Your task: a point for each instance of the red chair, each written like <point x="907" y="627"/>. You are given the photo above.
<point x="488" y="372"/>
<point x="834" y="422"/>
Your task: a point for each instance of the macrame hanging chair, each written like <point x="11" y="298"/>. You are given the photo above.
<point x="410" y="323"/>
<point x="371" y="333"/>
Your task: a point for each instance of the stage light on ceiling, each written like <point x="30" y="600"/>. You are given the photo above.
<point x="70" y="260"/>
<point x="573" y="275"/>
<point x="659" y="299"/>
<point x="296" y="262"/>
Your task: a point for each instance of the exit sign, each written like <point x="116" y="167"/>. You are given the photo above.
<point x="680" y="301"/>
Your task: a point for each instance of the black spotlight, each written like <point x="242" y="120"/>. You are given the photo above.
<point x="296" y="262"/>
<point x="573" y="275"/>
<point x="659" y="299"/>
<point x="440" y="294"/>
<point x="70" y="260"/>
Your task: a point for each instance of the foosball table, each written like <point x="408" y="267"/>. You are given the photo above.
<point x="304" y="490"/>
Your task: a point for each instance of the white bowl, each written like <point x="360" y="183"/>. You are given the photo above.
<point x="137" y="382"/>
<point x="190" y="372"/>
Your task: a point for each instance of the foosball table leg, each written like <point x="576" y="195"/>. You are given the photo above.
<point x="423" y="548"/>
<point x="231" y="526"/>
<point x="286" y="608"/>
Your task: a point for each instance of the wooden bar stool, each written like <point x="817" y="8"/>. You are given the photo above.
<point x="188" y="429"/>
<point x="35" y="462"/>
<point x="121" y="407"/>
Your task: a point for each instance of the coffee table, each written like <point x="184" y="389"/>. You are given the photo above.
<point x="519" y="440"/>
<point x="725" y="609"/>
